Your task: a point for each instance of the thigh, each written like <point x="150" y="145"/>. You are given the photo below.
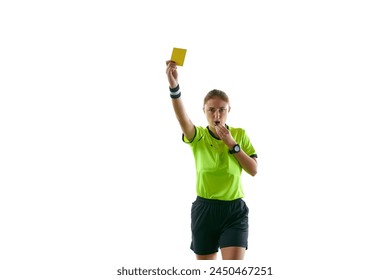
<point x="233" y="253"/>
<point x="207" y="257"/>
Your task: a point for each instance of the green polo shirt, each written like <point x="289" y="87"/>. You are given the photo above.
<point x="218" y="173"/>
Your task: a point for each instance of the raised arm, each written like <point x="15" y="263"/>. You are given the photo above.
<point x="178" y="106"/>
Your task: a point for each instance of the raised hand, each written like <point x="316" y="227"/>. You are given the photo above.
<point x="172" y="73"/>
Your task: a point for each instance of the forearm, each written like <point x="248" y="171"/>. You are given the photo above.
<point x="180" y="112"/>
<point x="248" y="163"/>
<point x="185" y="122"/>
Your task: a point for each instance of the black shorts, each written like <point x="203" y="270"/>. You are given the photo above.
<point x="217" y="224"/>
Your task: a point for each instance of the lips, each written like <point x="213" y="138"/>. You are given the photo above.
<point x="217" y="122"/>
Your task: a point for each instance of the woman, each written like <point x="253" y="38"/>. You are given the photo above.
<point x="219" y="216"/>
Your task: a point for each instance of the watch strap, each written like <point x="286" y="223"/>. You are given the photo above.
<point x="236" y="149"/>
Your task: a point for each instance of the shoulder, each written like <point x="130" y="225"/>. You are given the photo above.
<point x="237" y="130"/>
<point x="200" y="130"/>
<point x="199" y="133"/>
<point x="239" y="134"/>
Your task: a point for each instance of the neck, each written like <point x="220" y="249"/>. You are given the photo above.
<point x="212" y="129"/>
<point x="213" y="132"/>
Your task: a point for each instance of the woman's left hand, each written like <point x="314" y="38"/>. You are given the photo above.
<point x="225" y="135"/>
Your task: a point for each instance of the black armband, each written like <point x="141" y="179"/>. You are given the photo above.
<point x="175" y="92"/>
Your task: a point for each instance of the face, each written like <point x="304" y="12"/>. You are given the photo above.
<point x="216" y="111"/>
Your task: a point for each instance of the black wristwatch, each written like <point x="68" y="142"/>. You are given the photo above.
<point x="236" y="149"/>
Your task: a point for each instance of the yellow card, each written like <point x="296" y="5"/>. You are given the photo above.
<point x="178" y="56"/>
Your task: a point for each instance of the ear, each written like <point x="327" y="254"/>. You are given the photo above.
<point x="229" y="109"/>
<point x="204" y="110"/>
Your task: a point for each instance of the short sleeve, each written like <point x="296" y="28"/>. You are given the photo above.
<point x="247" y="146"/>
<point x="197" y="136"/>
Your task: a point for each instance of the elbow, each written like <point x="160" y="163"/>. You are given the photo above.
<point x="254" y="169"/>
<point x="253" y="172"/>
<point x="251" y="168"/>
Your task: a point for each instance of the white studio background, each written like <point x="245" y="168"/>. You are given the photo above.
<point x="94" y="175"/>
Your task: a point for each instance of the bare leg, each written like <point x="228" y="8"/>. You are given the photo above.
<point x="207" y="257"/>
<point x="233" y="253"/>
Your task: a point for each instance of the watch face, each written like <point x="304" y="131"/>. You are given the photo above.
<point x="236" y="148"/>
